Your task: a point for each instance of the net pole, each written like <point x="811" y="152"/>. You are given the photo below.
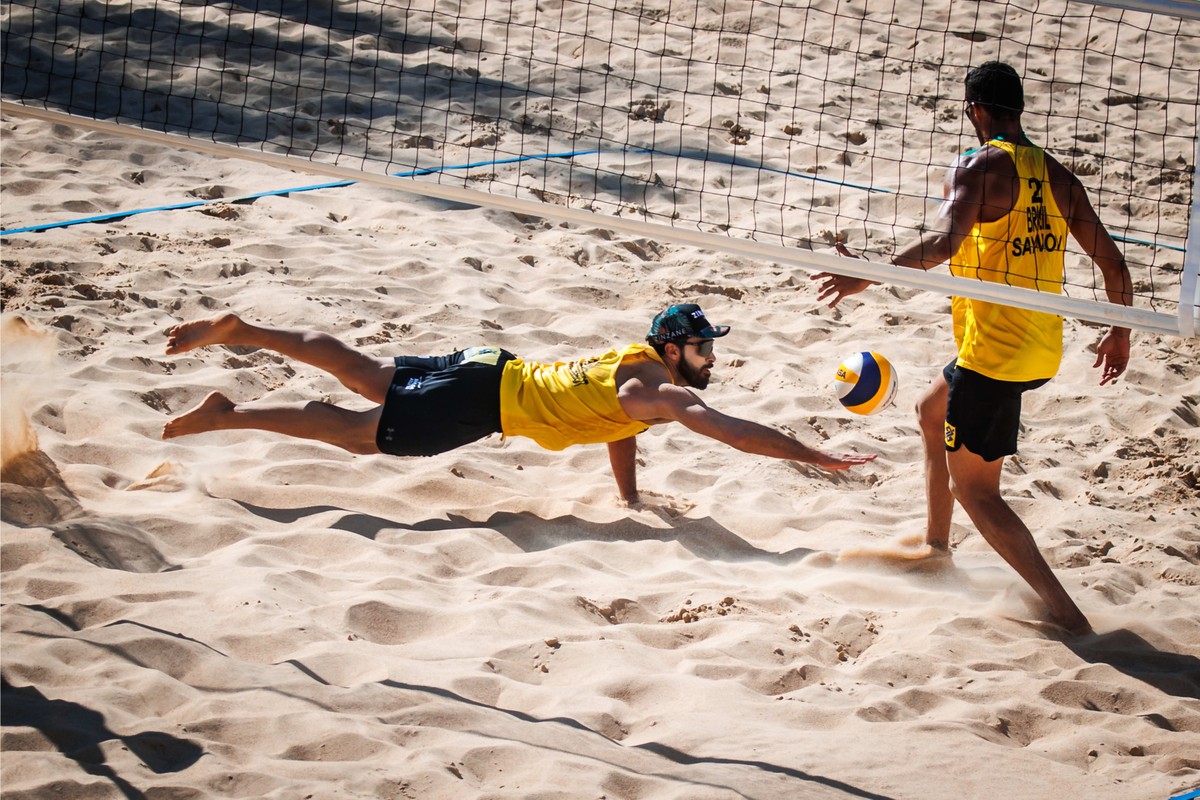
<point x="1189" y="281"/>
<point x="937" y="282"/>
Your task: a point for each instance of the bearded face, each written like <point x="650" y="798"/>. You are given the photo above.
<point x="695" y="377"/>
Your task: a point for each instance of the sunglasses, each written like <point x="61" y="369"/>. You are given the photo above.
<point x="703" y="346"/>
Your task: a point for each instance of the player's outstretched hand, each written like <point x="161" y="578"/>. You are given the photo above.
<point x="835" y="287"/>
<point x="839" y="461"/>
<point x="1112" y="355"/>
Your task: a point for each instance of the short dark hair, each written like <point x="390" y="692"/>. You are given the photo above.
<point x="996" y="86"/>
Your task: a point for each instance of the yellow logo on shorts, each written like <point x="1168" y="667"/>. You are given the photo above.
<point x="951" y="436"/>
<point x="481" y="355"/>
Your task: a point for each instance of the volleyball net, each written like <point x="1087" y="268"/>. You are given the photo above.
<point x="762" y="128"/>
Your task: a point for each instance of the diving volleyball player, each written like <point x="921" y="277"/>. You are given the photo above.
<point x="431" y="404"/>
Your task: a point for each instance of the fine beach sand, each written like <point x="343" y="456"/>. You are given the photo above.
<point x="242" y="615"/>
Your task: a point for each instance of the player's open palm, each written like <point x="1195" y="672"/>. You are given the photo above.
<point x="836" y="287"/>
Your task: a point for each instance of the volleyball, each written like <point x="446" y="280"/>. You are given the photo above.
<point x="866" y="383"/>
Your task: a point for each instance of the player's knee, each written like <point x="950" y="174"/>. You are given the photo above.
<point x="360" y="443"/>
<point x="972" y="496"/>
<point x="931" y="406"/>
<point x="931" y="417"/>
<point x="362" y="448"/>
<point x="359" y="436"/>
<point x="370" y="379"/>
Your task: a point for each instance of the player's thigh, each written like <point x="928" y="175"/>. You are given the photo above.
<point x="357" y="430"/>
<point x="972" y="477"/>
<point x="373" y="377"/>
<point x="931" y="405"/>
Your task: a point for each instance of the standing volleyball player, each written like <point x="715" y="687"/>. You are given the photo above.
<point x="1007" y="208"/>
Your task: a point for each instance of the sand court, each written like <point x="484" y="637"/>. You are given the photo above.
<point x="238" y="614"/>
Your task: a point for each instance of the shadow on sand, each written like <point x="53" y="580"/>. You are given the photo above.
<point x="78" y="731"/>
<point x="705" y="538"/>
<point x="1173" y="673"/>
<point x="660" y="750"/>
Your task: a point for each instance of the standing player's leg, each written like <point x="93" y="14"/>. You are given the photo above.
<point x="976" y="485"/>
<point x="939" y="500"/>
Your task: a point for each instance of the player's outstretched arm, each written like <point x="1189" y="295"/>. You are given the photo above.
<point x="752" y="437"/>
<point x="682" y="405"/>
<point x="963" y="190"/>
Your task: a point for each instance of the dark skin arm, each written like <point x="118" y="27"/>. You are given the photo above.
<point x="966" y="185"/>
<point x="1112" y="354"/>
<point x="981" y="187"/>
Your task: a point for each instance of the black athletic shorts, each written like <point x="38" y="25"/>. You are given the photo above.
<point x="983" y="413"/>
<point x="438" y="403"/>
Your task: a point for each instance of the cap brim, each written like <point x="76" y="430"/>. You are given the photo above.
<point x="713" y="331"/>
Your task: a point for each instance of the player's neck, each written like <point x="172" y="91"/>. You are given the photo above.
<point x="673" y="373"/>
<point x="1006" y="133"/>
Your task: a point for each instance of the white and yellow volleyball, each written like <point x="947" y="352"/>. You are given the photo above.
<point x="866" y="383"/>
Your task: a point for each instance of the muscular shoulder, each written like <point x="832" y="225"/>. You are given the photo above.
<point x="984" y="179"/>
<point x="646" y="393"/>
<point x="985" y="162"/>
<point x="973" y="171"/>
<point x="637" y="375"/>
<point x="1063" y="182"/>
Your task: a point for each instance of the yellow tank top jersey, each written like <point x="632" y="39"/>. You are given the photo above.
<point x="561" y="404"/>
<point x="1024" y="248"/>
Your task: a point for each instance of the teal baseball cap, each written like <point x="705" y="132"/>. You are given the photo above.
<point x="682" y="320"/>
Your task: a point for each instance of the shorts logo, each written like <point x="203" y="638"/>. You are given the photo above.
<point x="481" y="355"/>
<point x="414" y="383"/>
<point x="951" y="436"/>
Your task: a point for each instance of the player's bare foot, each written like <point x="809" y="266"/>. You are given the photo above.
<point x="207" y="416"/>
<point x="202" y="333"/>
